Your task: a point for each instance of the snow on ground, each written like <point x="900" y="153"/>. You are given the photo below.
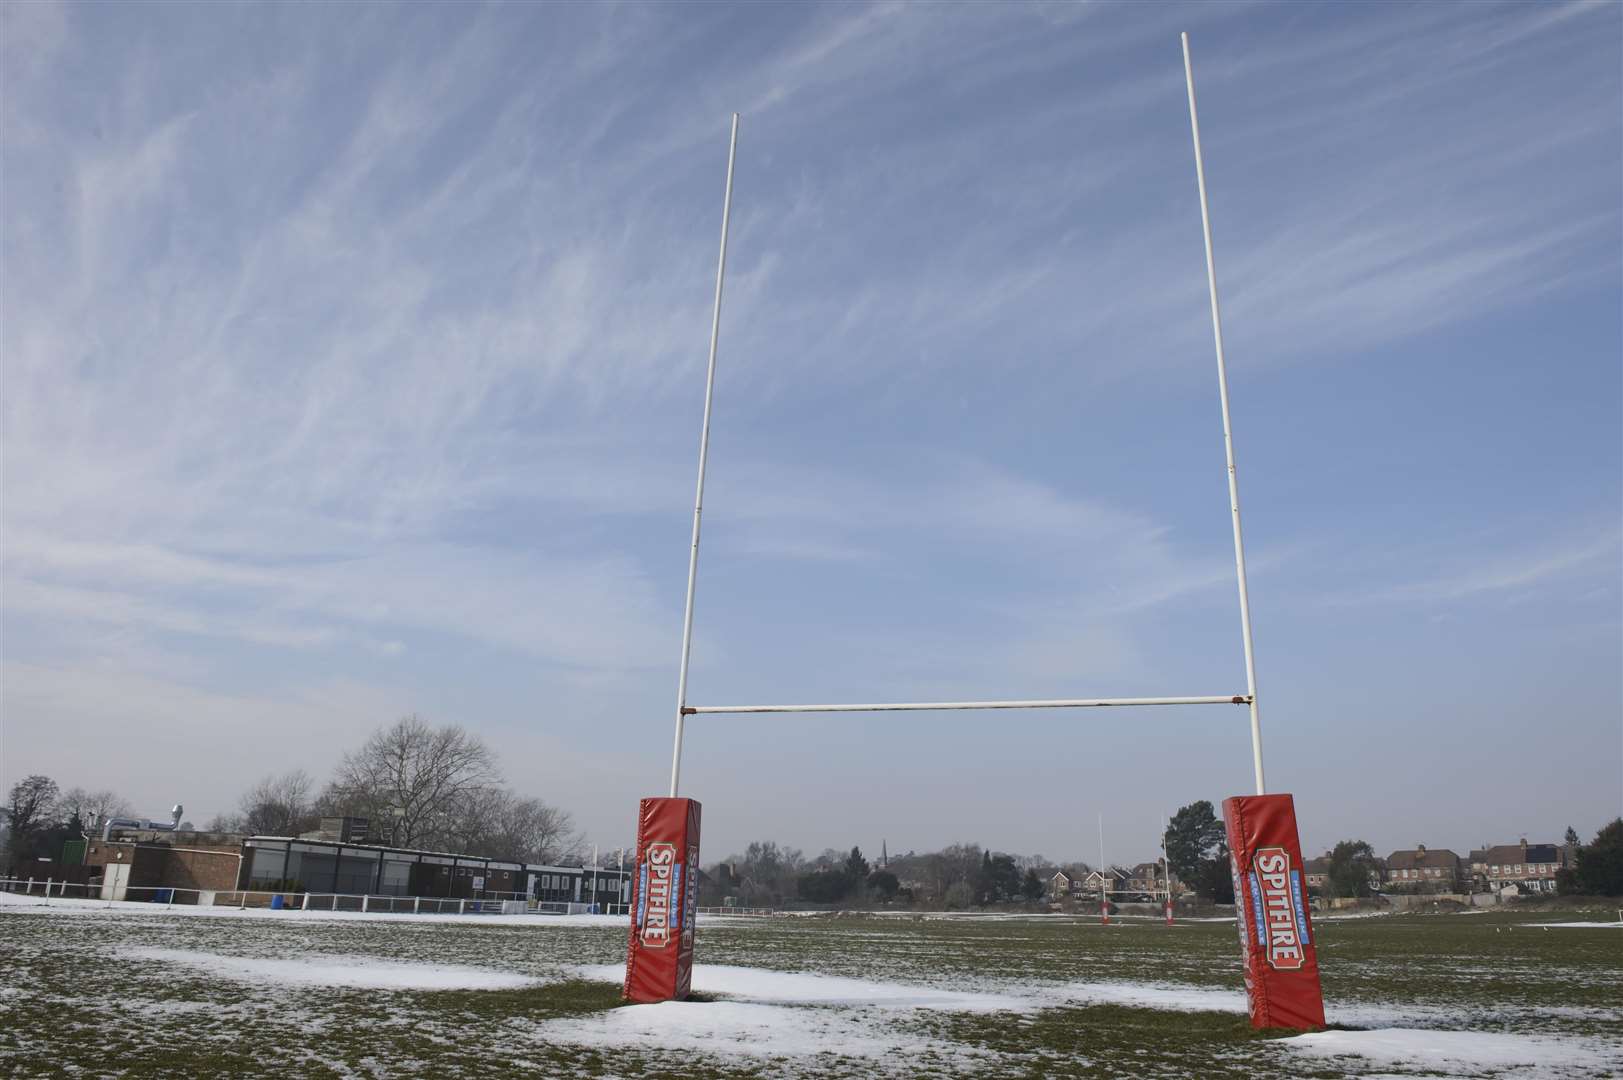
<point x="809" y="988"/>
<point x="1583" y="925"/>
<point x="776" y="1014"/>
<point x="745" y="1029"/>
<point x="360" y="972"/>
<point x="760" y="1014"/>
<point x="14" y="903"/>
<point x="1454" y="1051"/>
<point x="765" y="1013"/>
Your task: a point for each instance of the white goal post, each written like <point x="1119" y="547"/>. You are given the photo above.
<point x="1249" y="698"/>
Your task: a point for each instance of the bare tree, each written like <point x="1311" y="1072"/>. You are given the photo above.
<point x="30" y="812"/>
<point x="766" y="872"/>
<point x="497" y="822"/>
<point x="278" y="805"/>
<point x="32" y="805"/>
<point x="225" y="823"/>
<point x="92" y="806"/>
<point x="414" y="776"/>
<point x="536" y="832"/>
<point x="472" y="824"/>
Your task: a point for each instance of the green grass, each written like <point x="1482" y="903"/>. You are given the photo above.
<point x="73" y="1003"/>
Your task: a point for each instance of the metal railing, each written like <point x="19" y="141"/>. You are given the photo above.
<point x="285" y="900"/>
<point x="726" y="910"/>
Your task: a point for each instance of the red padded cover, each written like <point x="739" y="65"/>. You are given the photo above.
<point x="1270" y="899"/>
<point x="659" y="961"/>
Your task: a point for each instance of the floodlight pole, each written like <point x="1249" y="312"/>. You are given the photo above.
<point x="1228" y="431"/>
<point x="704" y="454"/>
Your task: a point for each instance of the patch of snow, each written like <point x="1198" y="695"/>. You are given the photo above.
<point x="1583" y="925"/>
<point x="1455" y="1051"/>
<point x="740" y="1028"/>
<point x="359" y="972"/>
<point x="763" y="986"/>
<point x="777" y="1014"/>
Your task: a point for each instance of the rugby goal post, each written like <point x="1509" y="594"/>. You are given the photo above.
<point x="660" y="955"/>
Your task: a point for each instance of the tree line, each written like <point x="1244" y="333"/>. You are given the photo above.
<point x="966" y="875"/>
<point x="958" y="876"/>
<point x="418" y="786"/>
<point x="41" y="817"/>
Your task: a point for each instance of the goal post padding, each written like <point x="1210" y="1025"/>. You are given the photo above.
<point x="665" y="892"/>
<point x="1270" y="902"/>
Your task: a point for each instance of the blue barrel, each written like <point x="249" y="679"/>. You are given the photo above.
<point x="278" y="902"/>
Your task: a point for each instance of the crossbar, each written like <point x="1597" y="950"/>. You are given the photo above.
<point x="944" y="706"/>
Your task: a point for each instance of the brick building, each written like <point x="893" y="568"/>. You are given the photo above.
<point x="1529" y="867"/>
<point x="1318" y="873"/>
<point x="147" y="864"/>
<point x="1423" y="869"/>
<point x="143" y="860"/>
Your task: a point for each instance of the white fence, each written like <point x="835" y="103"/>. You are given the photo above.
<point x="490" y="904"/>
<point x="725" y="910"/>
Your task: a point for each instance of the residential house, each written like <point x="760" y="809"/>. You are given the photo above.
<point x="1318" y="872"/>
<point x="1528" y="867"/>
<point x="1422" y="870"/>
<point x="1114" y="879"/>
<point x="1147" y="878"/>
<point x="1066" y="883"/>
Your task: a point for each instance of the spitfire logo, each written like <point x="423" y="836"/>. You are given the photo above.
<point x="1276" y="902"/>
<point x="659" y="895"/>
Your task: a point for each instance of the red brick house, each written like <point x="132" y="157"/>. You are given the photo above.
<point x="1422" y="869"/>
<point x="1529" y="867"/>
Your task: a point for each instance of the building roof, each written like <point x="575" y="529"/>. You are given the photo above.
<point x="1115" y="873"/>
<point x="1514" y="854"/>
<point x="1422" y="857"/>
<point x="456" y="858"/>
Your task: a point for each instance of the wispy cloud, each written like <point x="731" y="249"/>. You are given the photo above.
<point x="1587" y="554"/>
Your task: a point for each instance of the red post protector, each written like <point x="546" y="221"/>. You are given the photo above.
<point x="1270" y="902"/>
<point x="664" y="892"/>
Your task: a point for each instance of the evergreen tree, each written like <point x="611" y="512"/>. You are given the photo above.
<point x="856" y="867"/>
<point x="1193" y="836"/>
<point x="1214" y="878"/>
<point x="1600" y="862"/>
<point x="1003" y="881"/>
<point x="1032" y="886"/>
<point x="884" y="885"/>
<point x="825" y="886"/>
<point x="1352" y="864"/>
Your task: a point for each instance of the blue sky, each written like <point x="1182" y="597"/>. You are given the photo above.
<point x="353" y="362"/>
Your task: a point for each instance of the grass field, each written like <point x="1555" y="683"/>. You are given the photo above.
<point x="90" y="990"/>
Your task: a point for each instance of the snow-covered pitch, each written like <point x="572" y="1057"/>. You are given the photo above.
<point x="96" y="987"/>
